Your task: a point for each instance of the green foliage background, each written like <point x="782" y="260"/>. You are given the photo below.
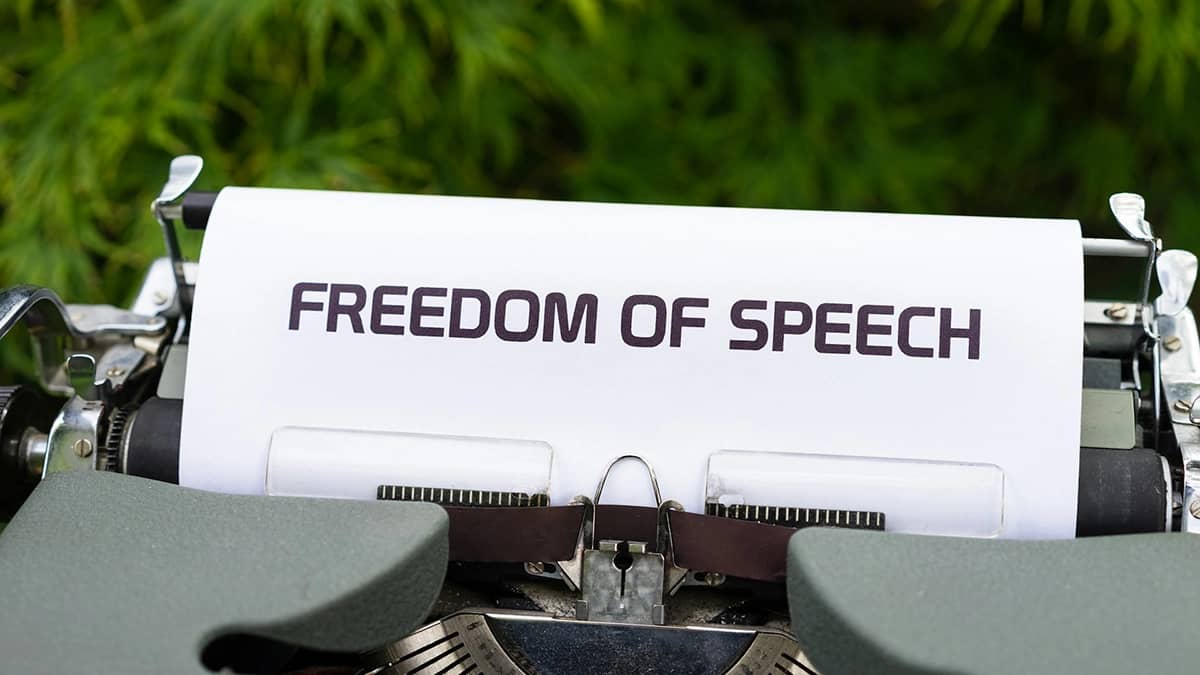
<point x="988" y="107"/>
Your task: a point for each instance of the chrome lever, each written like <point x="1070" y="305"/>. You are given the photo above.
<point x="182" y="174"/>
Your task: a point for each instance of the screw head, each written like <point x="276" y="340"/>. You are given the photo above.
<point x="1117" y="311"/>
<point x="535" y="568"/>
<point x="714" y="578"/>
<point x="1194" y="508"/>
<point x="1172" y="343"/>
<point x="115" y="372"/>
<point x="159" y="298"/>
<point x="1183" y="406"/>
<point x="82" y="447"/>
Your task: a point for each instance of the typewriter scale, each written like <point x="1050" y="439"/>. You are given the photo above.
<point x="538" y="586"/>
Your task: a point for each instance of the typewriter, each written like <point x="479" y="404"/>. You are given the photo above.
<point x="108" y="566"/>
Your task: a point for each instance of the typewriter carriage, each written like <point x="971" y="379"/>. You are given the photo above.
<point x="140" y="353"/>
<point x="105" y="371"/>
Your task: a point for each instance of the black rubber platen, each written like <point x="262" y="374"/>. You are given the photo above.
<point x="152" y="450"/>
<point x="197" y="207"/>
<point x="1120" y="492"/>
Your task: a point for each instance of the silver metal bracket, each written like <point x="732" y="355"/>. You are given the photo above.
<point x="571" y="571"/>
<point x="43" y="312"/>
<point x="158" y="293"/>
<point x="623" y="581"/>
<point x="1129" y="209"/>
<point x="104" y="332"/>
<point x="674" y="576"/>
<point x="1180" y="372"/>
<point x="74" y="437"/>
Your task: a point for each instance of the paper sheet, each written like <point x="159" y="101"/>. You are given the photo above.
<point x="670" y="332"/>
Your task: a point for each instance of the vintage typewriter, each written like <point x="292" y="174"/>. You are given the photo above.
<point x="107" y="567"/>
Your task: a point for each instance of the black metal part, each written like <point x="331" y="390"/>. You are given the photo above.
<point x="152" y="447"/>
<point x="790" y="516"/>
<point x="457" y="497"/>
<point x="110" y="445"/>
<point x="21" y="408"/>
<point x="1116" y="341"/>
<point x="197" y="207"/>
<point x="1101" y="373"/>
<point x="580" y="647"/>
<point x="1120" y="492"/>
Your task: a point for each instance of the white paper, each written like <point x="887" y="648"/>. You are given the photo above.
<point x="300" y="464"/>
<point x="1015" y="406"/>
<point x="917" y="496"/>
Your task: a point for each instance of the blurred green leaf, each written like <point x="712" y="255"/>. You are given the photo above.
<point x="1012" y="107"/>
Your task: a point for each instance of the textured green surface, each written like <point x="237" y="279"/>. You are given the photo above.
<point x="866" y="602"/>
<point x="105" y="573"/>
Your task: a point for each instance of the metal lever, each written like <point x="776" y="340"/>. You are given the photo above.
<point x="1113" y="248"/>
<point x="79" y="328"/>
<point x="1130" y="211"/>
<point x="75" y="434"/>
<point x="182" y="174"/>
<point x="81" y="373"/>
<point x="1177" y="278"/>
<point x="600" y="487"/>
